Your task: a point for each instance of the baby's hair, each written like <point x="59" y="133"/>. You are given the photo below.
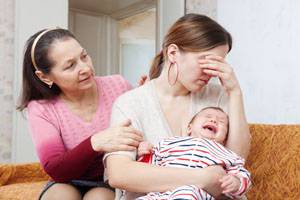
<point x="209" y="107"/>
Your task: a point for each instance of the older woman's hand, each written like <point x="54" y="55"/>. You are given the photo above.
<point x="118" y="138"/>
<point x="143" y="79"/>
<point x="216" y="66"/>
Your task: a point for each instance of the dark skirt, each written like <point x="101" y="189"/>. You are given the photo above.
<point x="81" y="185"/>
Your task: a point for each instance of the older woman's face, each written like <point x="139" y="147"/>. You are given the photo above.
<point x="191" y="74"/>
<point x="73" y="69"/>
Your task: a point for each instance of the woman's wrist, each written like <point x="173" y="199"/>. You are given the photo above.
<point x="235" y="92"/>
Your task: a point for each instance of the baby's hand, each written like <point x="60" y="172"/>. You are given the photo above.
<point x="144" y="148"/>
<point x="230" y="184"/>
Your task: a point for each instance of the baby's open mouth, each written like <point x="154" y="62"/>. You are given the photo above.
<point x="210" y="127"/>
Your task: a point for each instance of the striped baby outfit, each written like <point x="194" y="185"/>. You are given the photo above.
<point x="189" y="152"/>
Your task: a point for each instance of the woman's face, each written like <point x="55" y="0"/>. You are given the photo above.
<point x="191" y="75"/>
<point x="72" y="69"/>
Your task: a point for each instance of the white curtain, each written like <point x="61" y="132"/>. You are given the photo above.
<point x="99" y="35"/>
<point x="108" y="45"/>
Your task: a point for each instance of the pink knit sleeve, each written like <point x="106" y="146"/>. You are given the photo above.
<point x="60" y="164"/>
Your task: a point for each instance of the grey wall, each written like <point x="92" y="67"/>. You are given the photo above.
<point x="6" y="77"/>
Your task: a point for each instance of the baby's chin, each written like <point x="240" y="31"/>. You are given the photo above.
<point x="200" y="136"/>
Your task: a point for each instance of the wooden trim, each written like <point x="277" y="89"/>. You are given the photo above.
<point x="87" y="12"/>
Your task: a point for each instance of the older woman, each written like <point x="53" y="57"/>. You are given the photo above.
<point x="68" y="113"/>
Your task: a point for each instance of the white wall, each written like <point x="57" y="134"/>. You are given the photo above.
<point x="265" y="56"/>
<point x="31" y="16"/>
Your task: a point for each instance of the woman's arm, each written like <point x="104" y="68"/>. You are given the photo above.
<point x="239" y="134"/>
<point x="130" y="175"/>
<point x="56" y="160"/>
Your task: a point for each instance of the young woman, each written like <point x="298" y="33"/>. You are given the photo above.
<point x="193" y="51"/>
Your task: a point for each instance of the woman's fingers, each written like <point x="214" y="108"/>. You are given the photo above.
<point x="212" y="72"/>
<point x="217" y="66"/>
<point x="143" y="79"/>
<point x="221" y="75"/>
<point x="229" y="184"/>
<point x="121" y="138"/>
<point x="124" y="147"/>
<point x="225" y="181"/>
<point x="132" y="133"/>
<point x="124" y="144"/>
<point x="226" y="184"/>
<point x="130" y="137"/>
<point x="215" y="57"/>
<point x="130" y="142"/>
<point x="134" y="136"/>
<point x="131" y="129"/>
<point x="228" y="189"/>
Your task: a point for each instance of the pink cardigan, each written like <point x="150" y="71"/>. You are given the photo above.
<point x="62" y="139"/>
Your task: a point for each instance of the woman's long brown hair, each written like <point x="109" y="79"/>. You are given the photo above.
<point x="191" y="33"/>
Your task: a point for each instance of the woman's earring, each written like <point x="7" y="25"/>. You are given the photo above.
<point x="176" y="73"/>
<point x="50" y="85"/>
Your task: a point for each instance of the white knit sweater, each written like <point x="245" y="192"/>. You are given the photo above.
<point x="142" y="107"/>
